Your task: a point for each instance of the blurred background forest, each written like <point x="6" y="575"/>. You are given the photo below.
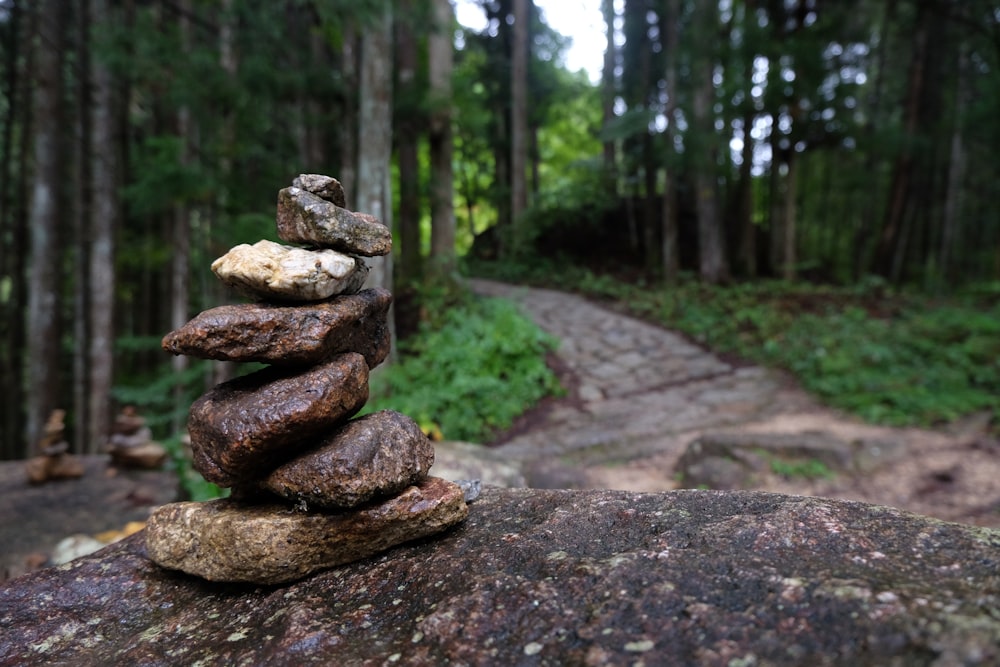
<point x="849" y="143"/>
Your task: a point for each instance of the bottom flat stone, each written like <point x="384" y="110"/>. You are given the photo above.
<point x="227" y="540"/>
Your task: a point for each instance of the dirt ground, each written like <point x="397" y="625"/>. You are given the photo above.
<point x="950" y="473"/>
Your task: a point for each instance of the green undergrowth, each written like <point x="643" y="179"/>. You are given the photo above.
<point x="473" y="366"/>
<point x="887" y="356"/>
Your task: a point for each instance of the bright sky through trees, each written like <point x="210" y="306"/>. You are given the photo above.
<point x="580" y="20"/>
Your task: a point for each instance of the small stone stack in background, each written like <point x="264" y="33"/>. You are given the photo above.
<point x="131" y="443"/>
<point x="54" y="460"/>
<point x="312" y="488"/>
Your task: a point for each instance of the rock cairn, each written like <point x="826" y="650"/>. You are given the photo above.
<point x="312" y="488"/>
<point x="54" y="460"/>
<point x="131" y="443"/>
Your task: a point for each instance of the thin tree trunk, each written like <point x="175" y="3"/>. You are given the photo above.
<point x="608" y="88"/>
<point x="441" y="145"/>
<point x="104" y="222"/>
<point x="788" y="217"/>
<point x="406" y="146"/>
<point x="956" y="171"/>
<point x="711" y="252"/>
<point x="886" y="252"/>
<point x="11" y="428"/>
<point x="671" y="45"/>
<point x="45" y="221"/>
<point x="375" y="139"/>
<point x="81" y="215"/>
<point x="519" y="118"/>
<point x="348" y="128"/>
<point x="180" y="224"/>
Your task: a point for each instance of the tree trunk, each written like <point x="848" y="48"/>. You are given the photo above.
<point x="956" y="171"/>
<point x="902" y="174"/>
<point x="788" y="217"/>
<point x="347" y="131"/>
<point x="608" y="88"/>
<point x="442" y="179"/>
<point x="712" y="265"/>
<point x="519" y="119"/>
<point x="375" y="139"/>
<point x="407" y="114"/>
<point x="180" y="224"/>
<point x="104" y="222"/>
<point x="12" y="252"/>
<point x="81" y="229"/>
<point x="45" y="222"/>
<point x="671" y="46"/>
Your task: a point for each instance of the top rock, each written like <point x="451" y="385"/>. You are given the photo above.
<point x="305" y="217"/>
<point x="324" y="187"/>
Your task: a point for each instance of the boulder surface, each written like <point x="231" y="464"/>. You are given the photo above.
<point x="543" y="577"/>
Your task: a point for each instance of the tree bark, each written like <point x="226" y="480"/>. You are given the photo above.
<point x="375" y="139"/>
<point x="441" y="145"/>
<point x="46" y="220"/>
<point x="519" y="118"/>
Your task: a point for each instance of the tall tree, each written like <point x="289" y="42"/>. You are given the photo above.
<point x="408" y="113"/>
<point x="712" y="264"/>
<point x="519" y="116"/>
<point x="104" y="174"/>
<point x="46" y="218"/>
<point x="441" y="54"/>
<point x="375" y="136"/>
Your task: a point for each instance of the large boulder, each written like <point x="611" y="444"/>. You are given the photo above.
<point x="536" y="577"/>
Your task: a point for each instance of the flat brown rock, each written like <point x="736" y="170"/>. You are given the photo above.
<point x="289" y="335"/>
<point x="372" y="456"/>
<point x="225" y="540"/>
<point x="304" y="217"/>
<point x="242" y="429"/>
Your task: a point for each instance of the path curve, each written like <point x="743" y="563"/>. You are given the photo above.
<point x="641" y="393"/>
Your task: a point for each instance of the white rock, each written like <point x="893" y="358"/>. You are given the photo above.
<point x="273" y="271"/>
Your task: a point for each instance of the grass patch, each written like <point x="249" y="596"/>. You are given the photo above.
<point x="469" y="371"/>
<point x="808" y="469"/>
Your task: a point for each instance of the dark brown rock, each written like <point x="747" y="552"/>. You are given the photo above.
<point x="557" y="578"/>
<point x="306" y="218"/>
<point x="375" y="455"/>
<point x="285" y="335"/>
<point x="324" y="187"/>
<point x="242" y="429"/>
<point x="225" y="540"/>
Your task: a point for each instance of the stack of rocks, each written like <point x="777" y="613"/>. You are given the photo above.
<point x="131" y="443"/>
<point x="54" y="460"/>
<point x="311" y="487"/>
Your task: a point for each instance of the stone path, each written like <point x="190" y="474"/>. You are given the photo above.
<point x="640" y="391"/>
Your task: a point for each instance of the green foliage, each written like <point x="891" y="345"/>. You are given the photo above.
<point x="471" y="373"/>
<point x="890" y="358"/>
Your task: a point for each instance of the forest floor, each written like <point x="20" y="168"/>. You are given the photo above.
<point x="638" y="395"/>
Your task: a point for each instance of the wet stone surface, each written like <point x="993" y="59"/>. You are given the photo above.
<point x="289" y="335"/>
<point x="536" y="577"/>
<point x="376" y="455"/>
<point x="242" y="429"/>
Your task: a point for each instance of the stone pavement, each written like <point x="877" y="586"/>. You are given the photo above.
<point x="640" y="394"/>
